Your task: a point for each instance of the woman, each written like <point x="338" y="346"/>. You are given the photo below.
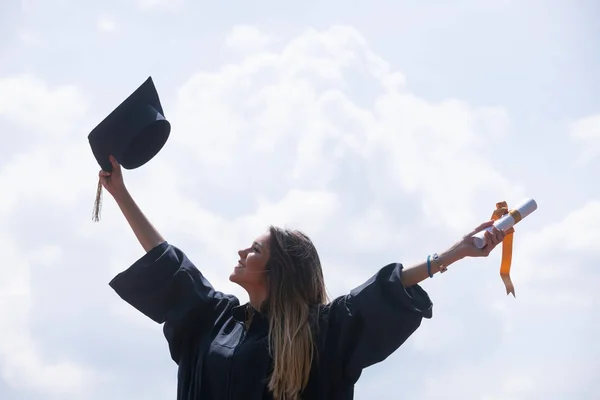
<point x="287" y="342"/>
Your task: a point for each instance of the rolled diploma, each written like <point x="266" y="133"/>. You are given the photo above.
<point x="507" y="221"/>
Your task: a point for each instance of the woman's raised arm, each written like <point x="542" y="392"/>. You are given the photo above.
<point x="145" y="232"/>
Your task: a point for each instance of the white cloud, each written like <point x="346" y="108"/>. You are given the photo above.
<point x="22" y="365"/>
<point x="586" y="131"/>
<point x="106" y="24"/>
<point x="587" y="128"/>
<point x="35" y="182"/>
<point x="298" y="102"/>
<point x="247" y="38"/>
<point x="45" y="111"/>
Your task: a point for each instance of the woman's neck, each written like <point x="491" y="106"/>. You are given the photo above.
<point x="257" y="300"/>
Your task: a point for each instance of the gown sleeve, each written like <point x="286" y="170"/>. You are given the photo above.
<point x="376" y="318"/>
<point x="165" y="286"/>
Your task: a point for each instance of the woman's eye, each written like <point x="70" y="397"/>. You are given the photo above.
<point x="255" y="249"/>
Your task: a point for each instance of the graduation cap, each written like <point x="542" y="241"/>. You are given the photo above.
<point x="133" y="133"/>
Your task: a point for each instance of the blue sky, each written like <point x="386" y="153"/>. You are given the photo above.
<point x="384" y="129"/>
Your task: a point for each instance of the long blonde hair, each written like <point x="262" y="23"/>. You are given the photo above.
<point x="296" y="289"/>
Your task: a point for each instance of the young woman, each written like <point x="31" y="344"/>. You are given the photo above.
<point x="287" y="342"/>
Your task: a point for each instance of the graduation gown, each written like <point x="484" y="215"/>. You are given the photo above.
<point x="219" y="360"/>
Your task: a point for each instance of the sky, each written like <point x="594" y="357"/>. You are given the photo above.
<point x="385" y="130"/>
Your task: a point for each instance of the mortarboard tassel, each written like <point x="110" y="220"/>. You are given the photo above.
<point x="98" y="202"/>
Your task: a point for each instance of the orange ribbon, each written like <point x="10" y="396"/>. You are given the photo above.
<point x="507" y="244"/>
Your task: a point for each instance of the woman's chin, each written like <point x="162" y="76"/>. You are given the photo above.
<point x="235" y="276"/>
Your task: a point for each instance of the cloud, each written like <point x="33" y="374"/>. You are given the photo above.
<point x="323" y="135"/>
<point x="247" y="38"/>
<point x="106" y="24"/>
<point x="44" y="110"/>
<point x="586" y="132"/>
<point x="22" y="365"/>
<point x="303" y="97"/>
<point x="40" y="178"/>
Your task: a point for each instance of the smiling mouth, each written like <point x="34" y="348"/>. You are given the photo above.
<point x="240" y="265"/>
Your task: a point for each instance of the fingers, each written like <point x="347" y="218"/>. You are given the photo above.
<point x="489" y="243"/>
<point x="113" y="162"/>
<point x="115" y="167"/>
<point x="489" y="237"/>
<point x="498" y="235"/>
<point x="481" y="227"/>
<point x="489" y="240"/>
<point x="492" y="238"/>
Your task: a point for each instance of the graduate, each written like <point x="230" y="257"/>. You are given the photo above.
<point x="288" y="342"/>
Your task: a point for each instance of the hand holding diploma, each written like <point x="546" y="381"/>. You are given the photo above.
<point x="505" y="219"/>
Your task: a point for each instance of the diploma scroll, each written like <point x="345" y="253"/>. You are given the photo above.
<point x="505" y="220"/>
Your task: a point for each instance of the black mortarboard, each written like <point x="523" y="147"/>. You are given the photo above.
<point x="133" y="133"/>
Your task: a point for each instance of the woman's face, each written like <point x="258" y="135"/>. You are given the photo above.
<point x="250" y="270"/>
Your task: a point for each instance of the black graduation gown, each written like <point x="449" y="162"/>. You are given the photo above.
<point x="218" y="360"/>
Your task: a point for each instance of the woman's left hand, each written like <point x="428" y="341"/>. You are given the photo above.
<point x="466" y="248"/>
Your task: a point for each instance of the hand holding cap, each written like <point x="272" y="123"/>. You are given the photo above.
<point x="133" y="134"/>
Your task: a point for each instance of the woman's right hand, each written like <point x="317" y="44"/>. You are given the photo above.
<point x="113" y="181"/>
